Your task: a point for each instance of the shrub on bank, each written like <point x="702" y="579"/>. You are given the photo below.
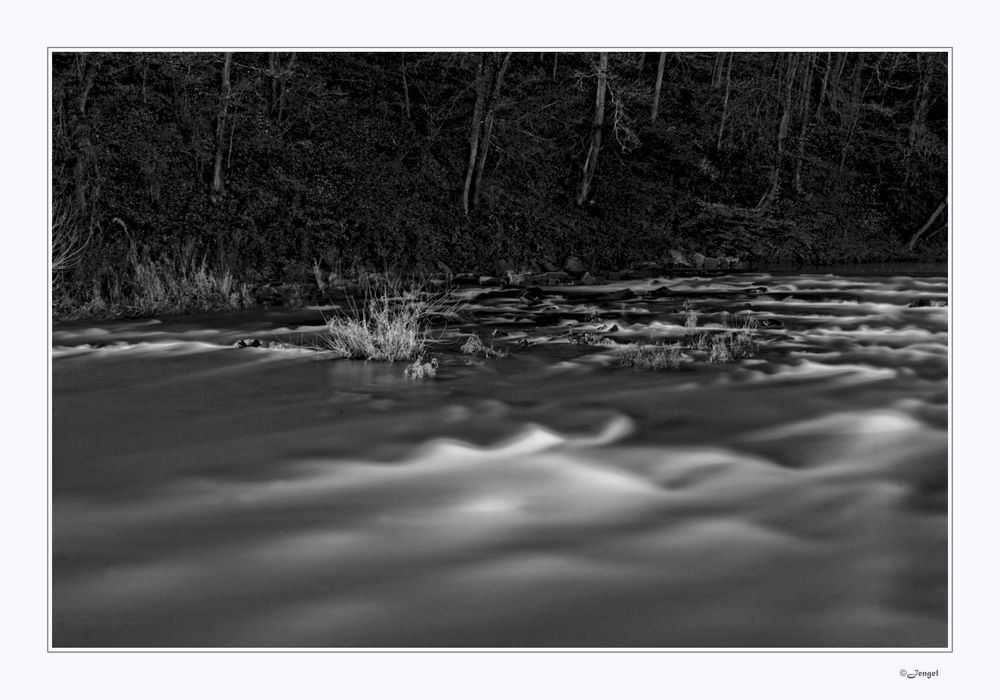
<point x="150" y="288"/>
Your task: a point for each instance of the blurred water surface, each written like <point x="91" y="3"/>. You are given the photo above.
<point x="204" y="496"/>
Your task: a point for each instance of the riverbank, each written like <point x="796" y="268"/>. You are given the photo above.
<point x="150" y="290"/>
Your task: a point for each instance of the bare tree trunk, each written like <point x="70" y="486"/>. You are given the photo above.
<point x="484" y="146"/>
<point x="725" y="103"/>
<point x="772" y="191"/>
<point x="717" y="66"/>
<point x="854" y="115"/>
<point x="923" y="97"/>
<point x="555" y="65"/>
<point x="838" y="71"/>
<point x="477" y="113"/>
<point x="406" y="87"/>
<point x="80" y="128"/>
<point x="911" y="244"/>
<point x="73" y="221"/>
<point x="218" y="187"/>
<point x="274" y="69"/>
<point x="659" y="84"/>
<point x="823" y="86"/>
<point x="806" y="93"/>
<point x="924" y="69"/>
<point x="279" y="78"/>
<point x="590" y="164"/>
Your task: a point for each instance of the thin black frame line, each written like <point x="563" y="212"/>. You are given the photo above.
<point x="512" y="48"/>
<point x="950" y="649"/>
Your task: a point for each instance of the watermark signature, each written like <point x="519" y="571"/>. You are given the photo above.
<point x="915" y="673"/>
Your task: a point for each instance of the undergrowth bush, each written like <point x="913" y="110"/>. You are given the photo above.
<point x="149" y="288"/>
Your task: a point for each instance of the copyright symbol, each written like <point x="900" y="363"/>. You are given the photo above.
<point x="902" y="672"/>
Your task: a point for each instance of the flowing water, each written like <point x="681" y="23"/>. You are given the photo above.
<point x="207" y="496"/>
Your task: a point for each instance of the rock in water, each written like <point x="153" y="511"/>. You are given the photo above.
<point x="678" y="258"/>
<point x="574" y="265"/>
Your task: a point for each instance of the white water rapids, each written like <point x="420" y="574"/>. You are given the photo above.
<point x="206" y="496"/>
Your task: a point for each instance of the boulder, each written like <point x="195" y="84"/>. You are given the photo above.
<point x="574" y="265"/>
<point x="623" y="295"/>
<point x="697" y="259"/>
<point x="659" y="293"/>
<point x="678" y="258"/>
<point x="923" y="303"/>
<point x="549" y="278"/>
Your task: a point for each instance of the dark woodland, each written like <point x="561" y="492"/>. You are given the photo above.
<point x="264" y="171"/>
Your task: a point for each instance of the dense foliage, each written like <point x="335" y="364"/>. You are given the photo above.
<point x="280" y="167"/>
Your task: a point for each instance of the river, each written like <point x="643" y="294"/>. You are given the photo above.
<point x="205" y="496"/>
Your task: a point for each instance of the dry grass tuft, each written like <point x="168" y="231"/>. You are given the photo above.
<point x="736" y="342"/>
<point x="419" y="369"/>
<point x="475" y="346"/>
<point x="657" y="356"/>
<point x="391" y="325"/>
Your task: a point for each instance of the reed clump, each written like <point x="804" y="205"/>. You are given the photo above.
<point x="391" y="323"/>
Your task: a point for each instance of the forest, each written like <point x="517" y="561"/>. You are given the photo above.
<point x="195" y="181"/>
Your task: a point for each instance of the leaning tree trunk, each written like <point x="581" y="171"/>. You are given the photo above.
<point x="590" y="164"/>
<point x="218" y="187"/>
<point x="484" y="141"/>
<point x="659" y="84"/>
<point x="912" y="243"/>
